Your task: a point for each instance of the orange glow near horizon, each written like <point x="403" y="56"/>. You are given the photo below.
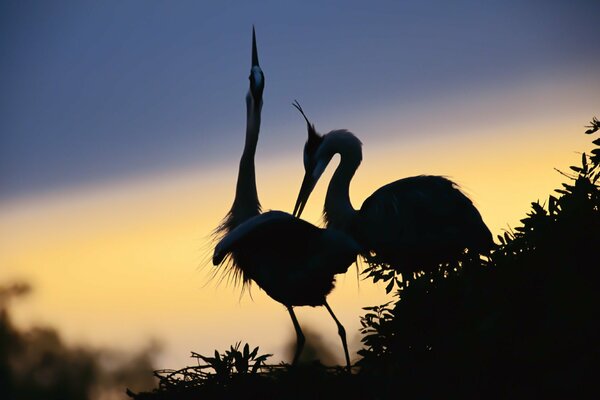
<point x="120" y="263"/>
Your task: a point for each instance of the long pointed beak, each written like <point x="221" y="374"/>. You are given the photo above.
<point x="308" y="184"/>
<point x="257" y="77"/>
<point x="254" y="50"/>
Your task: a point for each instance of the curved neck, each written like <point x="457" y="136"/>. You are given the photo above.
<point x="246" y="202"/>
<point x="338" y="209"/>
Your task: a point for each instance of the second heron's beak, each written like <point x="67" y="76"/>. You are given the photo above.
<point x="308" y="184"/>
<point x="311" y="177"/>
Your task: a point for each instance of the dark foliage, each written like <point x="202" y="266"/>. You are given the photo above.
<point x="522" y="323"/>
<point x="236" y="374"/>
<point x="519" y="323"/>
<point x="35" y="364"/>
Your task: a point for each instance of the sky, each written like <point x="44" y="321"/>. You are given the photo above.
<point x="121" y="125"/>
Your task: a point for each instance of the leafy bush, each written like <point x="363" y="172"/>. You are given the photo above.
<point x="519" y="323"/>
<point x="235" y="374"/>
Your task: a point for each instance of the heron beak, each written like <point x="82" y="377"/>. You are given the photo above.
<point x="257" y="77"/>
<point x="254" y="50"/>
<point x="311" y="177"/>
<point x="308" y="184"/>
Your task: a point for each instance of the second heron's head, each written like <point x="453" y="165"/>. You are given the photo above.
<point x="312" y="173"/>
<point x="318" y="152"/>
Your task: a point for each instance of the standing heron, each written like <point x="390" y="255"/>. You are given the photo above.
<point x="293" y="261"/>
<point x="412" y="224"/>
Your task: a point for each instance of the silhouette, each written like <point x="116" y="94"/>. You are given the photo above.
<point x="38" y="363"/>
<point x="531" y="309"/>
<point x="412" y="224"/>
<point x="593" y="126"/>
<point x="520" y="325"/>
<point x="292" y="260"/>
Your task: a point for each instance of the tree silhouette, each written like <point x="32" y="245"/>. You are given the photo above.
<point x="36" y="364"/>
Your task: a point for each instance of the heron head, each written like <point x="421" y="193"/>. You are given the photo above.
<point x="314" y="139"/>
<point x="257" y="78"/>
<point x="315" y="162"/>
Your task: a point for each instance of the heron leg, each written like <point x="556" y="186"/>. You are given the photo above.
<point x="299" y="336"/>
<point x="342" y="333"/>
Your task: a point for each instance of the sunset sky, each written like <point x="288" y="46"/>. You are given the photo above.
<point x="121" y="126"/>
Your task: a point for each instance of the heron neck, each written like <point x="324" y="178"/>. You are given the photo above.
<point x="338" y="207"/>
<point x="246" y="202"/>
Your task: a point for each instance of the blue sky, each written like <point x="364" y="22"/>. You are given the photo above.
<point x="93" y="91"/>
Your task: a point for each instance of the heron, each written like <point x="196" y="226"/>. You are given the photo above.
<point x="412" y="224"/>
<point x="293" y="261"/>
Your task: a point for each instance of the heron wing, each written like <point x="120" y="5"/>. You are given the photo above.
<point x="263" y="228"/>
<point x="291" y="259"/>
<point x="276" y="237"/>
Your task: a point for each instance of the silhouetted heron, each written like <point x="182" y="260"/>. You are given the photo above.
<point x="412" y="224"/>
<point x="293" y="261"/>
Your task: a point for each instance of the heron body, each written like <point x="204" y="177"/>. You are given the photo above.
<point x="413" y="224"/>
<point x="428" y="221"/>
<point x="293" y="261"/>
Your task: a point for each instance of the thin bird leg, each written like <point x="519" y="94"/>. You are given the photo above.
<point x="342" y="333"/>
<point x="299" y="336"/>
